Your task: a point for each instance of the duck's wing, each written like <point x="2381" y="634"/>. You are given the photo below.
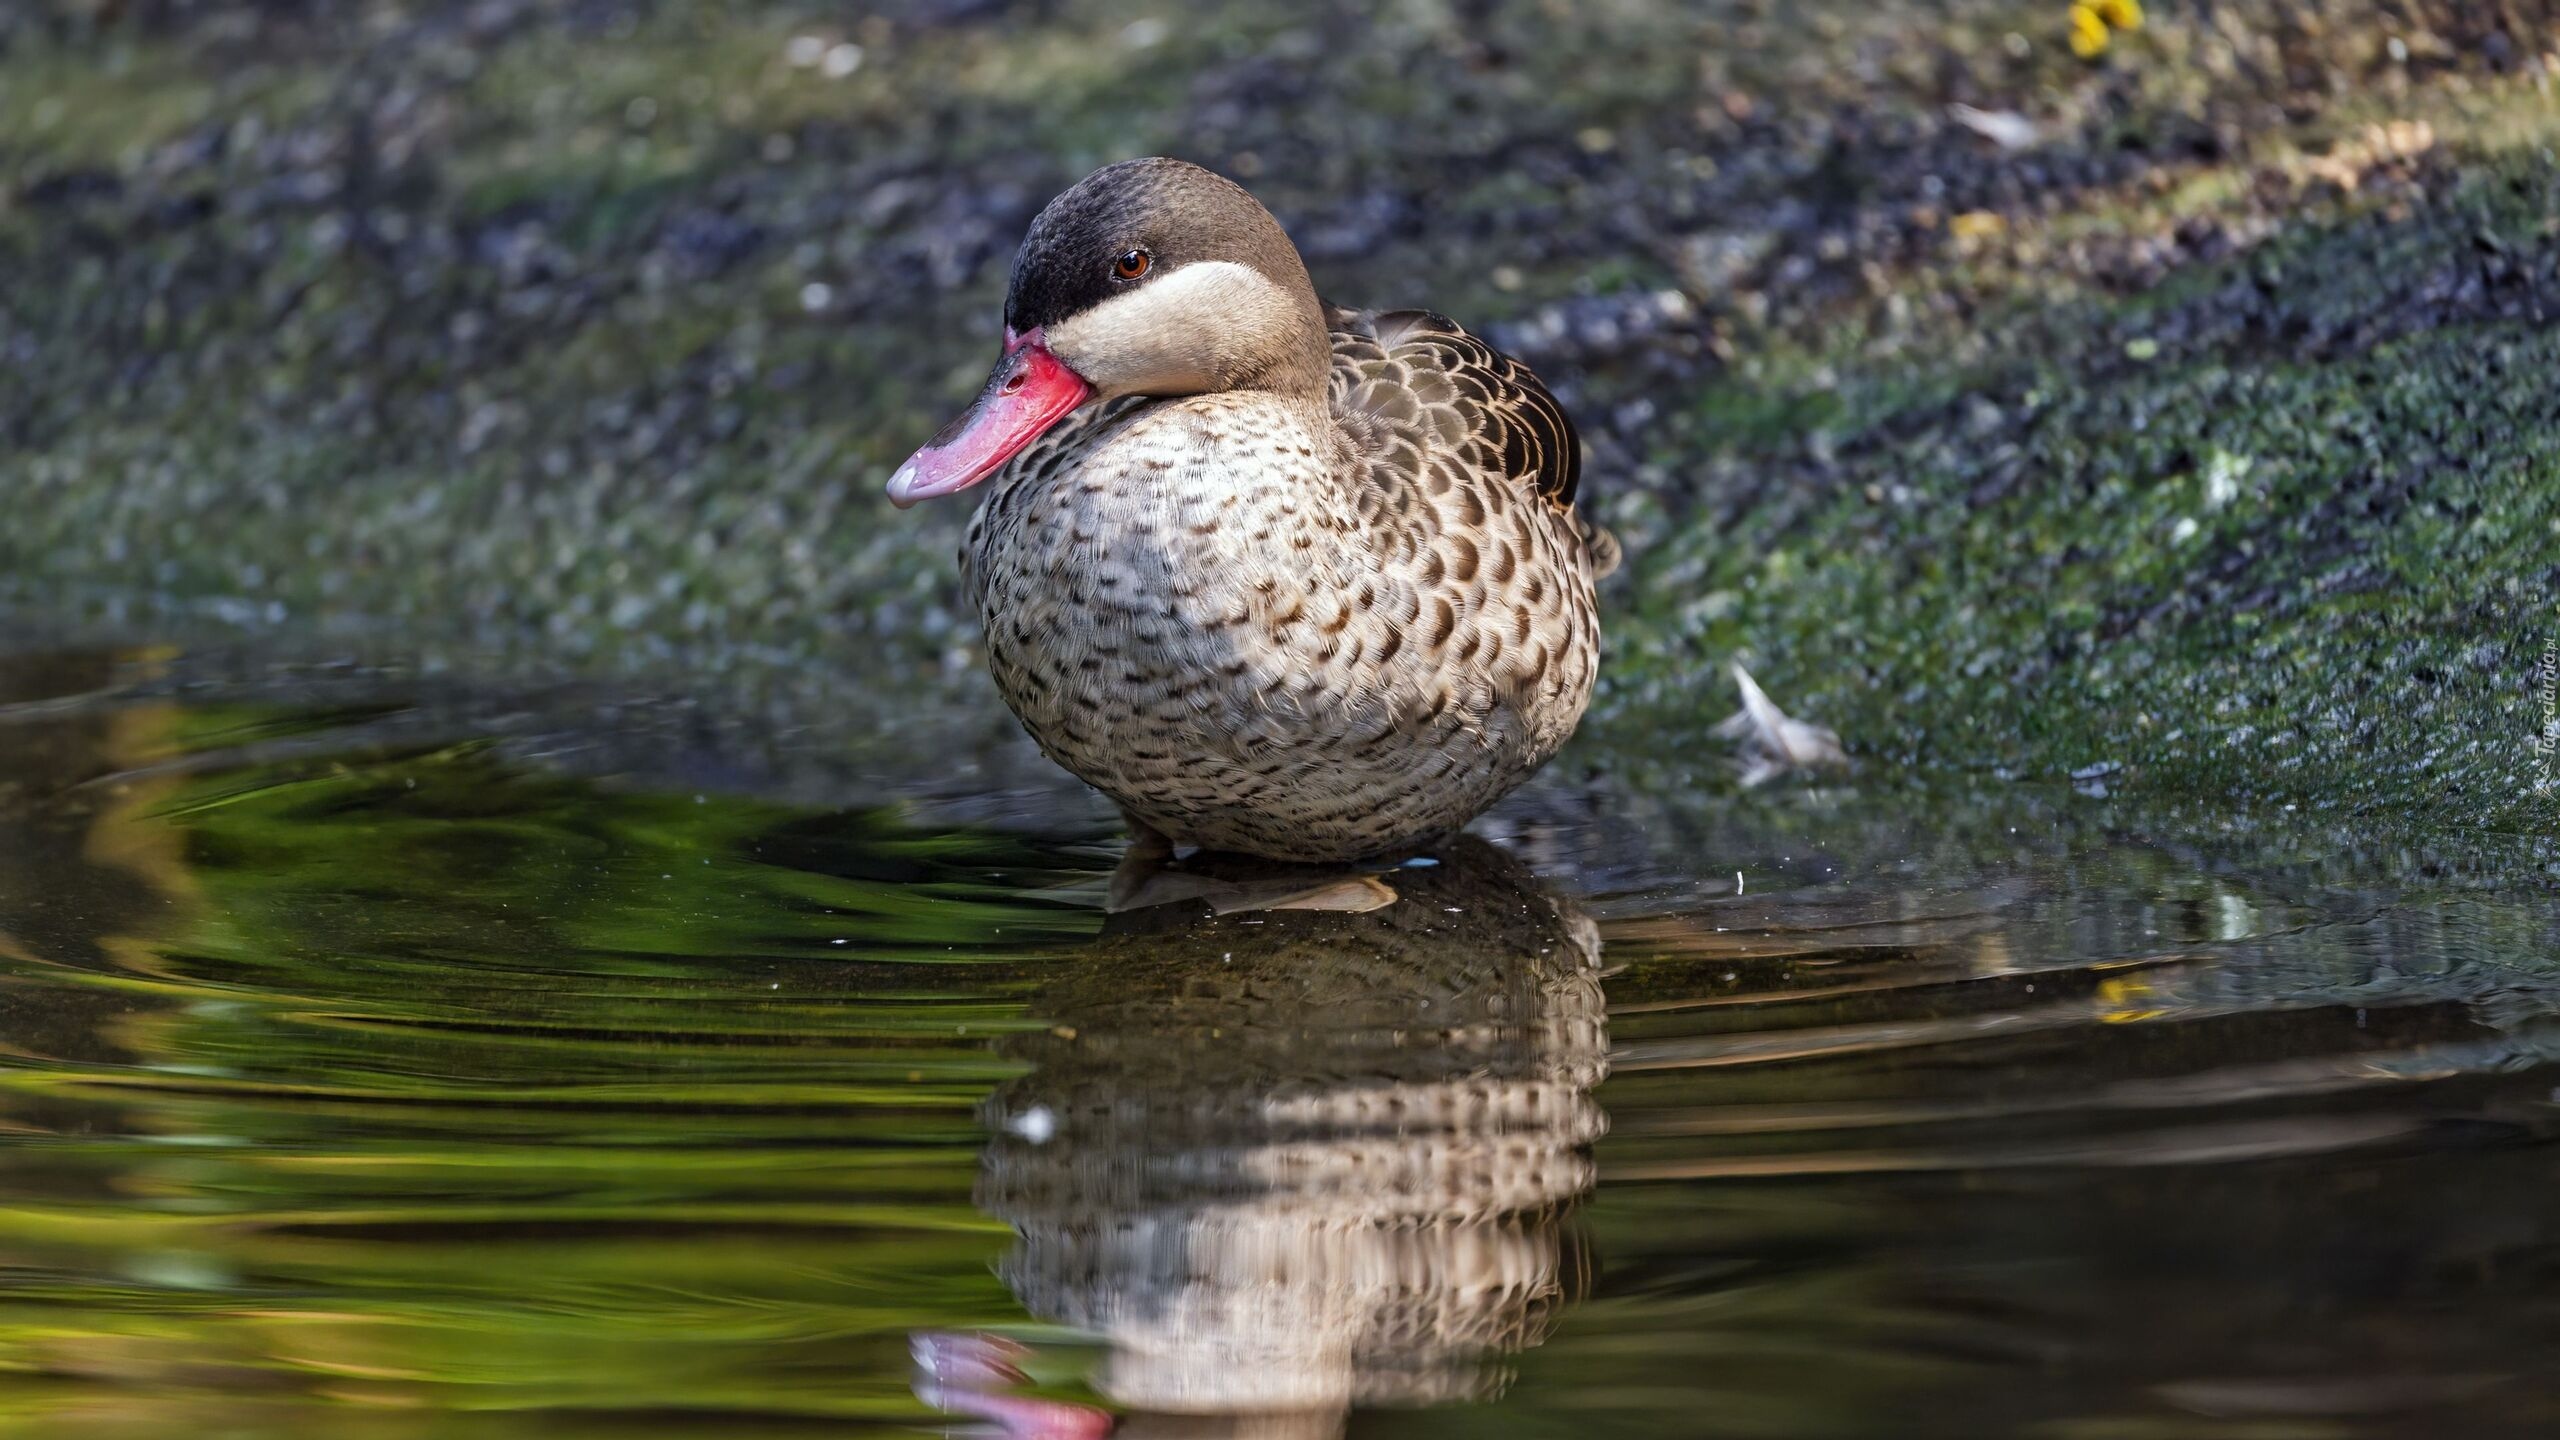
<point x="1426" y="402"/>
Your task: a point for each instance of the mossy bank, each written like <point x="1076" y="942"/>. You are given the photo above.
<point x="2181" y="417"/>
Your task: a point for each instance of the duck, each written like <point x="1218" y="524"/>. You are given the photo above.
<point x="1279" y="578"/>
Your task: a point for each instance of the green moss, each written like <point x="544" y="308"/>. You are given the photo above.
<point x="64" y="107"/>
<point x="2316" y="580"/>
<point x="2067" y="489"/>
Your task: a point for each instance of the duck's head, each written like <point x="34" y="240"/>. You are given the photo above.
<point x="1149" y="277"/>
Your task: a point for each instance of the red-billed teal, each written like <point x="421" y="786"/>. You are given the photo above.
<point x="1277" y="577"/>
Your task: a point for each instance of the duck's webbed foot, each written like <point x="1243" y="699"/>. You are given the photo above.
<point x="1148" y="876"/>
<point x="1348" y="894"/>
<point x="1149" y="852"/>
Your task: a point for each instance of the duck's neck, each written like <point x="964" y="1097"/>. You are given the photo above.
<point x="1296" y="370"/>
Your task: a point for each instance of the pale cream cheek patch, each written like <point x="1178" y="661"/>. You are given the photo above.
<point x="1192" y="331"/>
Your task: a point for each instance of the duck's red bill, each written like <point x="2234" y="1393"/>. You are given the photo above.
<point x="1030" y="391"/>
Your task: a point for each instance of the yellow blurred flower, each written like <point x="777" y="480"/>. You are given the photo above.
<point x="2129" y="1001"/>
<point x="2120" y="14"/>
<point x="2088" y="32"/>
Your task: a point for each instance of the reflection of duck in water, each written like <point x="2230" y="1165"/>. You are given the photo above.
<point x="1285" y="1164"/>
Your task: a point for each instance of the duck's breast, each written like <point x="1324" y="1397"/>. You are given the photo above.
<point x="1158" y="584"/>
<point x="1198" y="607"/>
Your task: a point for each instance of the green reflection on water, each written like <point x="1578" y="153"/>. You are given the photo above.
<point x="423" y="1081"/>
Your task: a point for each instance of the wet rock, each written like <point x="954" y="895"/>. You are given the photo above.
<point x="706" y="243"/>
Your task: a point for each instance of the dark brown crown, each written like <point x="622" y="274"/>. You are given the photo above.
<point x="1175" y="211"/>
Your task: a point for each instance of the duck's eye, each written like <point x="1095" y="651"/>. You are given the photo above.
<point x="1132" y="264"/>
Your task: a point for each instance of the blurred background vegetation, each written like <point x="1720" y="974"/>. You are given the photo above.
<point x="2154" y="393"/>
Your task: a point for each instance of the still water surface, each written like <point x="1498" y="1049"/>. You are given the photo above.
<point x="366" y="1077"/>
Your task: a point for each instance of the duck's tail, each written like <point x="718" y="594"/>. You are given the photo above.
<point x="1603" y="547"/>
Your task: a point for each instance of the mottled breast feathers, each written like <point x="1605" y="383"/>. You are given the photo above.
<point x="1306" y="630"/>
<point x="1424" y="400"/>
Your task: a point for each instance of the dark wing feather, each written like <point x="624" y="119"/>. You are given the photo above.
<point x="1403" y="367"/>
<point x="1420" y="397"/>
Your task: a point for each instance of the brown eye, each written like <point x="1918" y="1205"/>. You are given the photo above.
<point x="1132" y="265"/>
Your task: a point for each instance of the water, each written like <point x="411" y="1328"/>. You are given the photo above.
<point x="372" y="1067"/>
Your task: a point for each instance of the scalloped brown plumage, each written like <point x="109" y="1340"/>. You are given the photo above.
<point x="1387" y="362"/>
